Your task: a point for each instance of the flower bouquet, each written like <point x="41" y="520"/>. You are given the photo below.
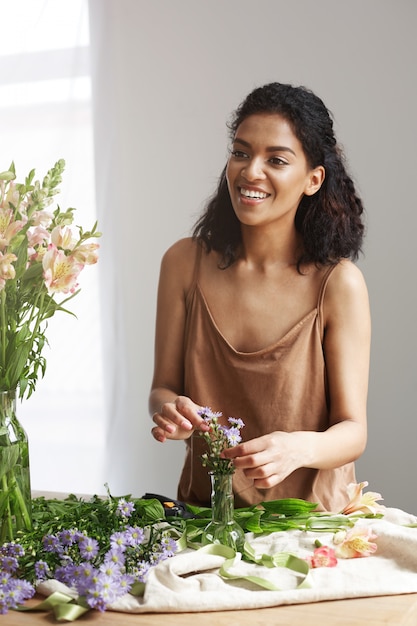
<point x="41" y="257"/>
<point x="223" y="528"/>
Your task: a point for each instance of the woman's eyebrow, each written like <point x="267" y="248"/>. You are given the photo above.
<point x="269" y="148"/>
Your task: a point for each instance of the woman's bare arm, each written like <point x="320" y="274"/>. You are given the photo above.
<point x="175" y="415"/>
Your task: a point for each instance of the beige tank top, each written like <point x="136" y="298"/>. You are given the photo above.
<point x="282" y="387"/>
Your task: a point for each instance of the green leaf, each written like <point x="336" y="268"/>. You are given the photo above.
<point x="17" y="362"/>
<point x="8" y="175"/>
<point x="8" y="458"/>
<point x="253" y="524"/>
<point x="151" y="509"/>
<point x="289" y="506"/>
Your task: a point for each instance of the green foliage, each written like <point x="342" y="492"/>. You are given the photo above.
<point x="96" y="517"/>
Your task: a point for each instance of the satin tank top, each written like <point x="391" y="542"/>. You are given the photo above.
<point x="282" y="387"/>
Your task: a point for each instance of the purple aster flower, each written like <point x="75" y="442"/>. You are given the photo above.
<point x="134" y="535"/>
<point x="5" y="578"/>
<point x="104" y="591"/>
<point x="3" y="603"/>
<point x="41" y="570"/>
<point x="169" y="546"/>
<point x="86" y="577"/>
<point x="125" y="583"/>
<point x="96" y="599"/>
<point x="208" y="415"/>
<point x="125" y="508"/>
<point x="66" y="573"/>
<point x="11" y="597"/>
<point x="12" y="549"/>
<point x="115" y="556"/>
<point x="68" y="537"/>
<point x="88" y="547"/>
<point x="109" y="569"/>
<point x="233" y="436"/>
<point x="17" y="592"/>
<point x="8" y="563"/>
<point x="118" y="540"/>
<point x="236" y="421"/>
<point x="51" y="543"/>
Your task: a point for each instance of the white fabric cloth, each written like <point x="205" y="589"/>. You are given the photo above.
<point x="189" y="582"/>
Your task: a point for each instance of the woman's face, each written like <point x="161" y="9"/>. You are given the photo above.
<point x="267" y="172"/>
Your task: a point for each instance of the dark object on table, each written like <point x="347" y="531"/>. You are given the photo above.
<point x="172" y="508"/>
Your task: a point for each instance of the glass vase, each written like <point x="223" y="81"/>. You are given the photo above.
<point x="15" y="493"/>
<point x="223" y="528"/>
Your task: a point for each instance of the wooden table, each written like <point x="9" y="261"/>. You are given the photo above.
<point x="398" y="610"/>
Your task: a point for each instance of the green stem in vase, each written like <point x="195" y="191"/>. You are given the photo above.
<point x="7" y="530"/>
<point x="25" y="516"/>
<point x="223" y="528"/>
<point x="15" y="495"/>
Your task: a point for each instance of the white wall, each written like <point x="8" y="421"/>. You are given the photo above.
<point x="166" y="75"/>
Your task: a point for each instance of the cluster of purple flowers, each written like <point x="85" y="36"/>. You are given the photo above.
<point x="218" y="438"/>
<point x="102" y="578"/>
<point x="13" y="591"/>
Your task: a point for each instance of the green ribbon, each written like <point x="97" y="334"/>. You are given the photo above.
<point x="281" y="559"/>
<point x="64" y="608"/>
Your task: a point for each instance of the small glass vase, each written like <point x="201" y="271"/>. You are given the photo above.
<point x="15" y="493"/>
<point x="223" y="528"/>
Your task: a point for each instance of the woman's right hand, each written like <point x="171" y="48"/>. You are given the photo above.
<point x="177" y="420"/>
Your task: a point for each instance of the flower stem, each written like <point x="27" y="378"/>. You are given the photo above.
<point x="3" y="334"/>
<point x="27" y="521"/>
<point x="7" y="531"/>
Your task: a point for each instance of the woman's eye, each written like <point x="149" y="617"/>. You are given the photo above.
<point x="277" y="161"/>
<point x="238" y="154"/>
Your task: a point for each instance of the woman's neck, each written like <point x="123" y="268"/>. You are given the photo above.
<point x="264" y="248"/>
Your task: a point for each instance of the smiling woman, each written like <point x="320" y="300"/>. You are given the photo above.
<point x="263" y="315"/>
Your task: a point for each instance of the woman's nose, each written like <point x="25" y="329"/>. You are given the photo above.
<point x="253" y="170"/>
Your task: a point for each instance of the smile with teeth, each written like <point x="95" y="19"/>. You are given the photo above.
<point x="250" y="193"/>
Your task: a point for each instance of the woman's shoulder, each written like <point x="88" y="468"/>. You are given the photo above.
<point x="345" y="277"/>
<point x="181" y="249"/>
<point x="178" y="262"/>
<point x="346" y="289"/>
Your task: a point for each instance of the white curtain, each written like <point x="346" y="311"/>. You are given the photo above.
<point x="45" y="115"/>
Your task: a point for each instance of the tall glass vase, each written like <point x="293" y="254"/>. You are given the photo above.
<point x="223" y="528"/>
<point x="15" y="493"/>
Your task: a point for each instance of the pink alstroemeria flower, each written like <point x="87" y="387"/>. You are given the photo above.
<point x="41" y="218"/>
<point x="63" y="238"/>
<point x="358" y="542"/>
<point x="60" y="271"/>
<point x="322" y="557"/>
<point x="11" y="197"/>
<point x="8" y="227"/>
<point x="37" y="235"/>
<point x="362" y="502"/>
<point x="7" y="270"/>
<point x="86" y="253"/>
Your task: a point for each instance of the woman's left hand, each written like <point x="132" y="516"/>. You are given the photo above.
<point x="269" y="459"/>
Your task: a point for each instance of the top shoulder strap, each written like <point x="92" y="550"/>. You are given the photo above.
<point x="196" y="272"/>
<point x="322" y="291"/>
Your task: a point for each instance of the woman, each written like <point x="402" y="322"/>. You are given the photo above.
<point x="263" y="315"/>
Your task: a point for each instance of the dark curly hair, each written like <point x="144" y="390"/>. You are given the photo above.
<point x="330" y="221"/>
